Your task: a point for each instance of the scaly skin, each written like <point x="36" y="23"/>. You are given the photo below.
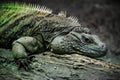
<point x="29" y="29"/>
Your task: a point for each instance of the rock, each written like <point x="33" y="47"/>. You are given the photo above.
<point x="50" y="66"/>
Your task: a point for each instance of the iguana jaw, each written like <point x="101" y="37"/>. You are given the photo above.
<point x="91" y="53"/>
<point x="75" y="43"/>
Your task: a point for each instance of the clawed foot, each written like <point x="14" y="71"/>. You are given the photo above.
<point x="24" y="63"/>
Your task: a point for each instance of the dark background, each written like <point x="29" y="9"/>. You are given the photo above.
<point x="101" y="16"/>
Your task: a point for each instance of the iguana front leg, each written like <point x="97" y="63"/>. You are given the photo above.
<point x="23" y="47"/>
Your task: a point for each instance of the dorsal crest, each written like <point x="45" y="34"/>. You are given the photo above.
<point x="25" y="7"/>
<point x="74" y="19"/>
<point x="42" y="9"/>
<point x="49" y="11"/>
<point x="62" y="13"/>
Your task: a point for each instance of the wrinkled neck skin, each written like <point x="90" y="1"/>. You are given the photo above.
<point x="75" y="42"/>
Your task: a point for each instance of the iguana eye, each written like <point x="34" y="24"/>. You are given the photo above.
<point x="87" y="39"/>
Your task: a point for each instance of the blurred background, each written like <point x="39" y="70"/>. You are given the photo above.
<point x="102" y="17"/>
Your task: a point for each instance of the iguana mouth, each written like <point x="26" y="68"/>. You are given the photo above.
<point x="93" y="53"/>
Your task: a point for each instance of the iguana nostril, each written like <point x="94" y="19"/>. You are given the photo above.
<point x="103" y="46"/>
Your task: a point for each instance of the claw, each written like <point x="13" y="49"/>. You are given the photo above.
<point x="23" y="63"/>
<point x="26" y="65"/>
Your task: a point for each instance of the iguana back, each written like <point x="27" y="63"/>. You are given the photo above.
<point x="18" y="20"/>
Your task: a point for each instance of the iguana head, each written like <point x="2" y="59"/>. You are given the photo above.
<point x="79" y="42"/>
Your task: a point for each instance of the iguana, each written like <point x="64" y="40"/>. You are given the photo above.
<point x="29" y="29"/>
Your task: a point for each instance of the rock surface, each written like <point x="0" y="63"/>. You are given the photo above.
<point x="50" y="66"/>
